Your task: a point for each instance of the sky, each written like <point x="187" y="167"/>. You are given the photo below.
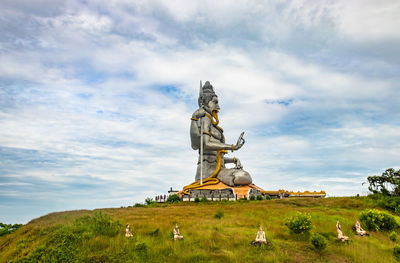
<point x="96" y="96"/>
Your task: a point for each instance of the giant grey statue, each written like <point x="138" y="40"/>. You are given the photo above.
<point x="214" y="147"/>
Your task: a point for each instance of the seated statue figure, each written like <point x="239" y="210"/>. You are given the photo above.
<point x="359" y="230"/>
<point x="128" y="232"/>
<point x="214" y="146"/>
<point x="177" y="234"/>
<point x="341" y="237"/>
<point x="260" y="238"/>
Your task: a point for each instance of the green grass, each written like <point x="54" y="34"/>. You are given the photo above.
<point x="206" y="238"/>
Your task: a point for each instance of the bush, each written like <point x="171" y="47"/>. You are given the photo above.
<point x="204" y="199"/>
<point x="219" y="214"/>
<point x="139" y="205"/>
<point x="149" y="201"/>
<point x="259" y="197"/>
<point x="396" y="252"/>
<point x="100" y="224"/>
<point x="376" y="220"/>
<point x="65" y="243"/>
<point x="252" y="197"/>
<point x="393" y="236"/>
<point x="299" y="223"/>
<point x="267" y="197"/>
<point x="391" y="203"/>
<point x="318" y="241"/>
<point x="8" y="228"/>
<point x="197" y="199"/>
<point x="173" y="199"/>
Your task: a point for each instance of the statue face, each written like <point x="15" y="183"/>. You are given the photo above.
<point x="213" y="105"/>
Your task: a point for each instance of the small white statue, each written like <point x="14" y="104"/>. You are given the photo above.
<point x="341" y="237"/>
<point x="359" y="230"/>
<point x="260" y="238"/>
<point x="177" y="234"/>
<point x="128" y="232"/>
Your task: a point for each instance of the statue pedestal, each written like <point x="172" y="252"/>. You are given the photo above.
<point x="221" y="191"/>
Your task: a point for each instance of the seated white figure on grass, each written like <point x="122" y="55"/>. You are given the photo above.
<point x="359" y="230"/>
<point x="260" y="238"/>
<point x="128" y="232"/>
<point x="341" y="237"/>
<point x="177" y="234"/>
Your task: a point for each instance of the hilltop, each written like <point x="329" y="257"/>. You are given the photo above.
<point x="73" y="235"/>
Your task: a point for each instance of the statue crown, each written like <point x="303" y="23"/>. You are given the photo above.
<point x="206" y="93"/>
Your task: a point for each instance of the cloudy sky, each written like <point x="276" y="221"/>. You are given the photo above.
<point x="96" y="96"/>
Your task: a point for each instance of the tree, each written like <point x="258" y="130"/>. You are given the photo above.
<point x="7" y="229"/>
<point x="387" y="184"/>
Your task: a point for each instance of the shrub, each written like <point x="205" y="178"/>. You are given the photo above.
<point x="318" y="241"/>
<point x="197" y="199"/>
<point x="393" y="236"/>
<point x="299" y="223"/>
<point x="149" y="201"/>
<point x="65" y="243"/>
<point x="376" y="220"/>
<point x="396" y="252"/>
<point x="100" y="224"/>
<point x="267" y="197"/>
<point x="8" y="228"/>
<point x="219" y="214"/>
<point x="139" y="205"/>
<point x="252" y="197"/>
<point x="204" y="199"/>
<point x="259" y="197"/>
<point x="173" y="199"/>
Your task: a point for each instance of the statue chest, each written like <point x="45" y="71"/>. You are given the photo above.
<point x="217" y="134"/>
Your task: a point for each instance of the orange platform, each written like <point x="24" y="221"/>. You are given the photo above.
<point x="241" y="191"/>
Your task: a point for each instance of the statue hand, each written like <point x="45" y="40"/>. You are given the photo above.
<point x="240" y="142"/>
<point x="199" y="113"/>
<point x="238" y="164"/>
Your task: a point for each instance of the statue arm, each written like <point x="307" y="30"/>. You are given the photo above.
<point x="212" y="145"/>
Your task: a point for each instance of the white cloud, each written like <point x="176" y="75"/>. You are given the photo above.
<point x="84" y="88"/>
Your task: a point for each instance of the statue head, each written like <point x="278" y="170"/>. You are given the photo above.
<point x="261" y="228"/>
<point x="208" y="100"/>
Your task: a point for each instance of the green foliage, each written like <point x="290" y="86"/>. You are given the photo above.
<point x="393" y="236"/>
<point x="99" y="224"/>
<point x="197" y="199"/>
<point x="139" y="205"/>
<point x="388" y="183"/>
<point x="252" y="197"/>
<point x="318" y="241"/>
<point x="267" y="197"/>
<point x="171" y="234"/>
<point x="58" y="238"/>
<point x="299" y="223"/>
<point x="173" y="199"/>
<point x="204" y="199"/>
<point x="376" y="220"/>
<point x="259" y="197"/>
<point x="149" y="201"/>
<point x="8" y="228"/>
<point x="396" y="252"/>
<point x="65" y="242"/>
<point x="391" y="203"/>
<point x="219" y="214"/>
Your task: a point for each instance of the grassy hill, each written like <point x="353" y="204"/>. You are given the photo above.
<point x="87" y="236"/>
